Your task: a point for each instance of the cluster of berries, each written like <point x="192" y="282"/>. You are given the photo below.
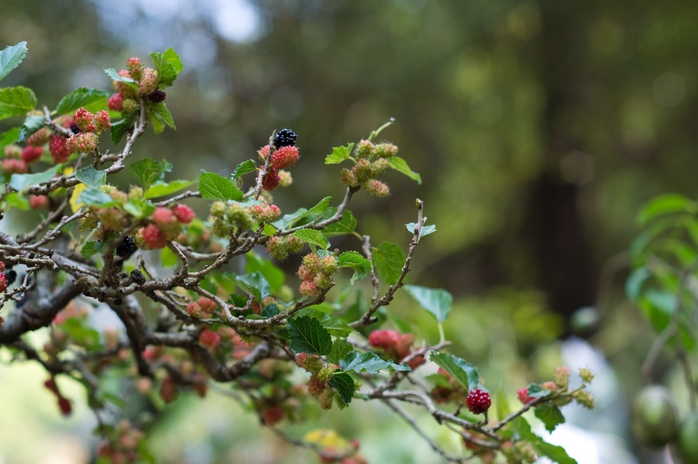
<point x="319" y="382"/>
<point x="396" y="346"/>
<point x="316" y="273"/>
<point x="127" y="93"/>
<point x="17" y="159"/>
<point x="284" y="155"/>
<point x="560" y="385"/>
<point x="123" y="448"/>
<point x="167" y="225"/>
<point x="89" y="126"/>
<point x="203" y="307"/>
<point x="372" y="162"/>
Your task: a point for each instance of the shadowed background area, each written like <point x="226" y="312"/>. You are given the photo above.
<point x="539" y="129"/>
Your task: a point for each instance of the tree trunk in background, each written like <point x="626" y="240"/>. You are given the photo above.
<point x="553" y="224"/>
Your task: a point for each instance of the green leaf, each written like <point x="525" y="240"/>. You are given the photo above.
<point x="17" y="200"/>
<point x="167" y="65"/>
<point x="340" y="348"/>
<point x="253" y="282"/>
<point x="550" y="416"/>
<point x="343" y="384"/>
<point x="339" y="154"/>
<point x="21" y="182"/>
<point x="308" y="336"/>
<point x="90" y="249"/>
<point x="91" y="176"/>
<point x="9" y="137"/>
<point x="437" y="301"/>
<point x="269" y="230"/>
<point x="114" y="75"/>
<point x="148" y="171"/>
<point x="213" y="186"/>
<point x="401" y="166"/>
<point x="554" y="453"/>
<point x="344" y="226"/>
<point x="426" y="230"/>
<point x="313" y="237"/>
<point x="458" y="368"/>
<point x="369" y="362"/>
<point x="162" y="114"/>
<point x="160" y="189"/>
<point x="388" y="260"/>
<point x="81" y="334"/>
<point x="173" y="58"/>
<point x="95" y="197"/>
<point x="633" y="286"/>
<point x="272" y="274"/>
<point x="90" y="99"/>
<point x="139" y="208"/>
<point x="157" y="124"/>
<point x="354" y="260"/>
<point x="10" y="57"/>
<point x="16" y="101"/>
<point x="31" y="124"/>
<point x="121" y="128"/>
<point x="168" y="257"/>
<point x="334" y="325"/>
<point x="664" y="204"/>
<point x="244" y="168"/>
<point x="289" y="219"/>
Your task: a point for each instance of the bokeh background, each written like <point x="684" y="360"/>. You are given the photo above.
<point x="539" y="129"/>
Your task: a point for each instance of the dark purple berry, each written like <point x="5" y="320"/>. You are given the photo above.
<point x="75" y="129"/>
<point x="11" y="276"/>
<point x="157" y="96"/>
<point x="126" y="247"/>
<point x="118" y="301"/>
<point x="284" y="138"/>
<point x="138" y="277"/>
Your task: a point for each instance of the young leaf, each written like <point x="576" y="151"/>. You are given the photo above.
<point x="426" y="230"/>
<point x="388" y="260"/>
<point x="139" y="208"/>
<point x="167" y="65"/>
<point x="95" y="197"/>
<point x="344" y="226"/>
<point x="90" y="249"/>
<point x="31" y="124"/>
<point x="20" y="182"/>
<point x="289" y="219"/>
<point x="113" y="75"/>
<point x="340" y="348"/>
<point x="459" y="369"/>
<point x="121" y="127"/>
<point x="354" y="260"/>
<point x="162" y="114"/>
<point x="369" y="362"/>
<point x="244" y="168"/>
<point x="308" y="336"/>
<point x="343" y="384"/>
<point x="313" y="237"/>
<point x="550" y="416"/>
<point x="160" y="189"/>
<point x="90" y="99"/>
<point x="213" y="186"/>
<point x="10" y="57"/>
<point x="334" y="325"/>
<point x="339" y="154"/>
<point x="16" y="101"/>
<point x="9" y="137"/>
<point x="17" y="200"/>
<point x="254" y="283"/>
<point x="148" y="171"/>
<point x="664" y="204"/>
<point x="437" y="301"/>
<point x="168" y="258"/>
<point x="553" y="452"/>
<point x="271" y="273"/>
<point x="401" y="166"/>
<point x="91" y="176"/>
